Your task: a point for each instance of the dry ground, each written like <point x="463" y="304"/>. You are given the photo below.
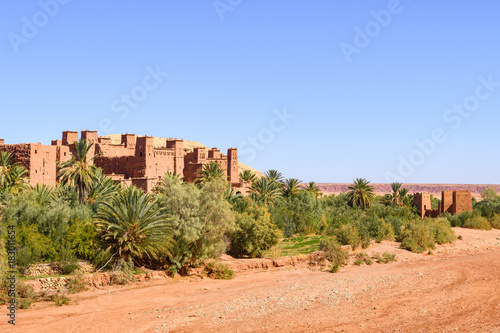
<point x="456" y="289"/>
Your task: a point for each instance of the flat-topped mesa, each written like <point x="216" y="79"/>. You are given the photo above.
<point x="134" y="161"/>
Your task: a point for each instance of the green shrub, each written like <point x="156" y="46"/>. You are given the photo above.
<point x="216" y="270"/>
<point x="84" y="239"/>
<point x="442" y="230"/>
<point x="495" y="221"/>
<point x="24" y="303"/>
<point x="25" y="295"/>
<point x="202" y="220"/>
<point x="33" y="246"/>
<point x="389" y="257"/>
<point x="362" y="258"/>
<point x="385" y="258"/>
<point x="480" y="223"/>
<point x="417" y="237"/>
<point x="123" y="272"/>
<point x="375" y="227"/>
<point x="384" y="231"/>
<point x="68" y="262"/>
<point x="396" y="224"/>
<point x="59" y="299"/>
<point x="457" y="220"/>
<point x="255" y="233"/>
<point x="77" y="284"/>
<point x="334" y="252"/>
<point x="349" y="235"/>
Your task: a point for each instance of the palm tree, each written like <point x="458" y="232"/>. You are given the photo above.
<point x="211" y="172"/>
<point x="404" y="198"/>
<point x="361" y="193"/>
<point x="232" y="196"/>
<point x="133" y="225"/>
<point x="45" y="194"/>
<point x="265" y="190"/>
<point x="395" y="193"/>
<point x="291" y="187"/>
<point x="274" y="175"/>
<point x="78" y="171"/>
<point x="163" y="185"/>
<point x="247" y="176"/>
<point x="11" y="174"/>
<point x="102" y="188"/>
<point x="314" y="189"/>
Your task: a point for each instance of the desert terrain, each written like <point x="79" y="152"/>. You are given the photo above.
<point x="454" y="289"/>
<point x="434" y="189"/>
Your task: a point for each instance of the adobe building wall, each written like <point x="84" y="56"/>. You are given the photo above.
<point x="178" y="146"/>
<point x="118" y="165"/>
<point x="145" y="184"/>
<point x="192" y="171"/>
<point x="423" y="202"/>
<point x="214" y="153"/>
<point x="128" y="140"/>
<point x="453" y="202"/>
<point x="43" y="167"/>
<point x="21" y="154"/>
<point x="2" y="142"/>
<point x="69" y="137"/>
<point x="447" y="202"/>
<point x="90" y="136"/>
<point x="163" y="162"/>
<point x="104" y="140"/>
<point x="232" y="166"/>
<point x="106" y="150"/>
<point x="144" y="158"/>
<point x="462" y="201"/>
<point x="39" y="160"/>
<point x="135" y="161"/>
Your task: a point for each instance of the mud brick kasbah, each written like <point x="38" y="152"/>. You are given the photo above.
<point x="135" y="161"/>
<point x="453" y="202"/>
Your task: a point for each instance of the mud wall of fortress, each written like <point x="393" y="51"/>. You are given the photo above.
<point x="423" y="202"/>
<point x="447" y="202"/>
<point x="136" y="160"/>
<point x="38" y="159"/>
<point x="119" y="165"/>
<point x="463" y="201"/>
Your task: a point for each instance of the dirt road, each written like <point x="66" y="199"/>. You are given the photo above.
<point x="457" y="289"/>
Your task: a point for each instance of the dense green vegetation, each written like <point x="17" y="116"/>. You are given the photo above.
<point x="180" y="225"/>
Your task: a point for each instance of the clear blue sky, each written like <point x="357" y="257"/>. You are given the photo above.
<point x="232" y="64"/>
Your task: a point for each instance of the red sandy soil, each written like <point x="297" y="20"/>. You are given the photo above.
<point x="434" y="189"/>
<point x="454" y="289"/>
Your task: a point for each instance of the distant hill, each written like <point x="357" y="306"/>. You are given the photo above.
<point x="434" y="189"/>
<point x="161" y="142"/>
